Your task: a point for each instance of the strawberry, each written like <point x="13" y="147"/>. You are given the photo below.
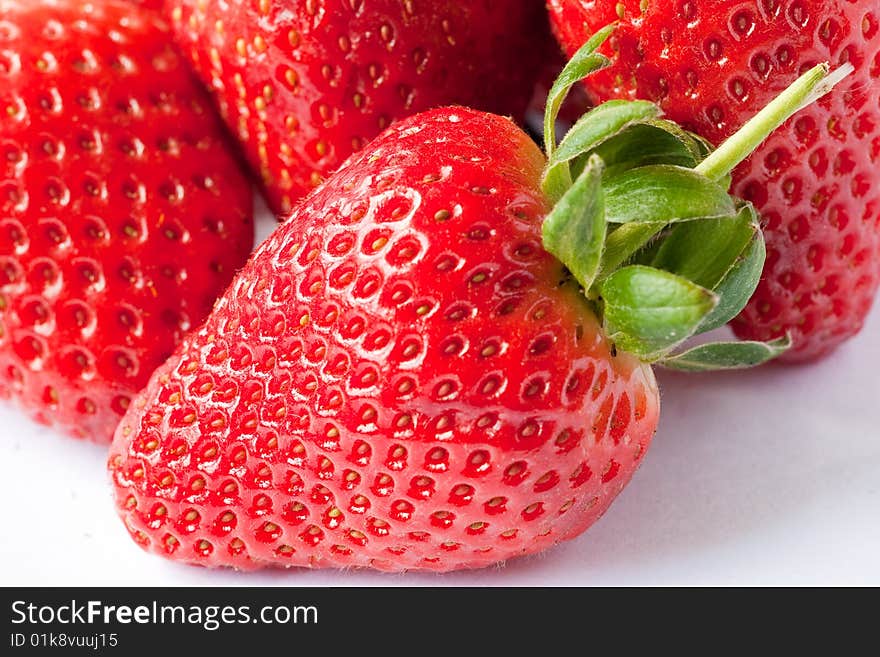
<point x="122" y="214"/>
<point x="440" y="360"/>
<point x="305" y="84"/>
<point x="711" y="66"/>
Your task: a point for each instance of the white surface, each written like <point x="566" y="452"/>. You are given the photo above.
<point x="765" y="477"/>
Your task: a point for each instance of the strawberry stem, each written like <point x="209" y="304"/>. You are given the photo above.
<point x="811" y="86"/>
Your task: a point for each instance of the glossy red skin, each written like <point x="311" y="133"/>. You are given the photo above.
<point x="816" y="181"/>
<point x="150" y="4"/>
<point x="403" y="360"/>
<point x="305" y="84"/>
<point x="110" y="247"/>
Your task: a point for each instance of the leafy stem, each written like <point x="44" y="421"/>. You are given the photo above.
<point x="644" y="221"/>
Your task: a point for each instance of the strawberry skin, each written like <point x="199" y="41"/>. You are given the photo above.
<point x="400" y="378"/>
<point x="150" y="4"/>
<point x="711" y="66"/>
<point x="305" y="84"/>
<point x="122" y="214"/>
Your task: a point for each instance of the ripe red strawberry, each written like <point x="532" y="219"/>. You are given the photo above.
<point x="122" y="214"/>
<point x="816" y="182"/>
<point x="305" y="84"/>
<point x="360" y="396"/>
<point x="404" y="377"/>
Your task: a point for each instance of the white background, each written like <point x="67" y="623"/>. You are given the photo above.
<point x="765" y="477"/>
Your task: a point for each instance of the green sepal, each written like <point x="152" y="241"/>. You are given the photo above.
<point x="595" y="127"/>
<point x="585" y="61"/>
<point x="664" y="194"/>
<point x="625" y="241"/>
<point x="726" y="356"/>
<point x="652" y="141"/>
<point x="641" y="219"/>
<point x="649" y="312"/>
<point x="575" y="231"/>
<point x="738" y="286"/>
<point x="705" y="251"/>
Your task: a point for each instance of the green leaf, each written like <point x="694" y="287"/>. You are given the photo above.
<point x="601" y="124"/>
<point x="648" y="143"/>
<point x="705" y="251"/>
<point x="726" y="356"/>
<point x="575" y="231"/>
<point x="738" y="286"/>
<point x="648" y="312"/>
<point x="704" y="146"/>
<point x="585" y="61"/>
<point x="664" y="194"/>
<point x="625" y="241"/>
<point x="595" y="127"/>
<point x="684" y="256"/>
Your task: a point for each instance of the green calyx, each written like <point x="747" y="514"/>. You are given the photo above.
<point x="645" y="222"/>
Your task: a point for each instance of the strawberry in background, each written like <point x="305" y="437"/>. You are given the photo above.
<point x="816" y="182"/>
<point x="305" y="84"/>
<point x="123" y="214"/>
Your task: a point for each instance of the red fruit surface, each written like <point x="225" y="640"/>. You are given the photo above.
<point x="150" y="4"/>
<point x="713" y="65"/>
<point x="305" y="84"/>
<point x="122" y="214"/>
<point x="400" y="378"/>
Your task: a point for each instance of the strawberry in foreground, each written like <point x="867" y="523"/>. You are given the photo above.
<point x="305" y="84"/>
<point x="122" y="215"/>
<point x="712" y="66"/>
<point x="404" y="377"/>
